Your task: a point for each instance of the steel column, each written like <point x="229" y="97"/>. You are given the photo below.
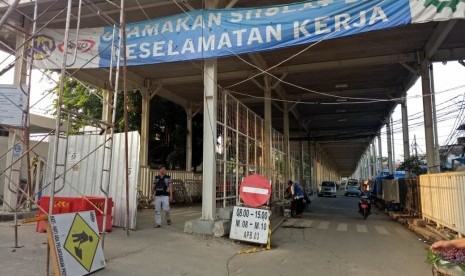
<point x="435" y="121"/>
<point x="286" y="141"/>
<point x="209" y="139"/>
<point x="389" y="144"/>
<point x="189" y="115"/>
<point x="13" y="174"/>
<point x="405" y="134"/>
<point x="267" y="127"/>
<point x="380" y="151"/>
<point x="144" y="132"/>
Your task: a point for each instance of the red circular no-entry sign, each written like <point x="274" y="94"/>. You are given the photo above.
<point x="255" y="190"/>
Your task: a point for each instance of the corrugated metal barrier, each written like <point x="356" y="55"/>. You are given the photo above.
<point x="443" y="199"/>
<point x="409" y="193"/>
<point x="390" y="190"/>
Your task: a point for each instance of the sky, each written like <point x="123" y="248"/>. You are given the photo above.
<point x="449" y="82"/>
<point x="449" y="86"/>
<point x="40" y="85"/>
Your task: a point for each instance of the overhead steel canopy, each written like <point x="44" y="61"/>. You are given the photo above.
<point x="340" y="91"/>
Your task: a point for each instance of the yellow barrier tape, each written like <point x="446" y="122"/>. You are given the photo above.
<point x="268" y="245"/>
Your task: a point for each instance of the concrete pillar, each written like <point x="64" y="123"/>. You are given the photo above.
<point x="435" y="122"/>
<point x="209" y="139"/>
<point x="319" y="172"/>
<point x="310" y="163"/>
<point x="405" y="134"/>
<point x="12" y="175"/>
<point x="380" y="157"/>
<point x="373" y="160"/>
<point x="107" y="109"/>
<point x="389" y="145"/>
<point x="145" y="123"/>
<point x="428" y="116"/>
<point x="287" y="174"/>
<point x="314" y="166"/>
<point x="267" y="127"/>
<point x="369" y="175"/>
<point x="393" y="146"/>
<point x="301" y="156"/>
<point x="189" y="115"/>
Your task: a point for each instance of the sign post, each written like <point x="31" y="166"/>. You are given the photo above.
<point x="255" y="190"/>
<point x="75" y="243"/>
<point x="252" y="224"/>
<point x="12" y="105"/>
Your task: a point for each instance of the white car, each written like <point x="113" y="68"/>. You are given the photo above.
<point x="327" y="188"/>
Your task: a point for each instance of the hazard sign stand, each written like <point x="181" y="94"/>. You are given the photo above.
<point x="74" y="242"/>
<point x="251" y="223"/>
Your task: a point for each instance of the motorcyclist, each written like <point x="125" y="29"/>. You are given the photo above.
<point x="364" y="196"/>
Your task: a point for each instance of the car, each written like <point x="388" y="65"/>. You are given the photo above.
<point x="343" y="185"/>
<point x="353" y="190"/>
<point x="327" y="188"/>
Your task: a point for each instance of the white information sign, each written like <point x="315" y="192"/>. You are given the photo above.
<point x="77" y="243"/>
<point x="12" y="104"/>
<point x="250" y="224"/>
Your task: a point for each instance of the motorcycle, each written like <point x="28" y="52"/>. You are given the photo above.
<point x="365" y="207"/>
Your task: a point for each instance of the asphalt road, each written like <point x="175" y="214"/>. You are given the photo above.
<point x="333" y="239"/>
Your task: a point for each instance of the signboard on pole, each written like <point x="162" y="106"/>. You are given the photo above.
<point x="255" y="190"/>
<point x="12" y="104"/>
<point x="76" y="243"/>
<point x="250" y="224"/>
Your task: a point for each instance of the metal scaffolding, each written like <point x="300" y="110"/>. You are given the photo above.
<point x="21" y="197"/>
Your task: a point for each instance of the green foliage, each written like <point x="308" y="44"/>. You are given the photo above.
<point x="436" y="259"/>
<point x="413" y="165"/>
<point x="88" y="100"/>
<point x="167" y="130"/>
<point x="134" y="103"/>
<point x="167" y="143"/>
<point x="79" y="98"/>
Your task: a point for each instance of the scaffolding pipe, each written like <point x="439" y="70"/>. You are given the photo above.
<point x="26" y="114"/>
<point x="59" y="106"/>
<point x="125" y="108"/>
<point x="8" y="12"/>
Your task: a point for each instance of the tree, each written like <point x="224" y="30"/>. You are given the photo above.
<point x="87" y="100"/>
<point x="413" y="165"/>
<point x="79" y="98"/>
<point x="167" y="130"/>
<point x="167" y="143"/>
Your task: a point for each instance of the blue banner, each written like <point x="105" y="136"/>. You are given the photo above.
<point x="203" y="34"/>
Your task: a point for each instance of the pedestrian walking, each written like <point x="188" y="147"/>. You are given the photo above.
<point x="163" y="194"/>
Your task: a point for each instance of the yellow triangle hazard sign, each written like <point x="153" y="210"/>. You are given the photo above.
<point x="82" y="242"/>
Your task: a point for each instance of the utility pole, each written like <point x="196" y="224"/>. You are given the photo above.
<point x="393" y="146"/>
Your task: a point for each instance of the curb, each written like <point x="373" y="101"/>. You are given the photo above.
<point x="20" y="215"/>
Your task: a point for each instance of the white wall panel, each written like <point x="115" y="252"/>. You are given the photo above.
<point x="85" y="175"/>
<point x="443" y="199"/>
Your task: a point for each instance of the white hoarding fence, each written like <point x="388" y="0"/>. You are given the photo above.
<point x="443" y="199"/>
<point x="85" y="156"/>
